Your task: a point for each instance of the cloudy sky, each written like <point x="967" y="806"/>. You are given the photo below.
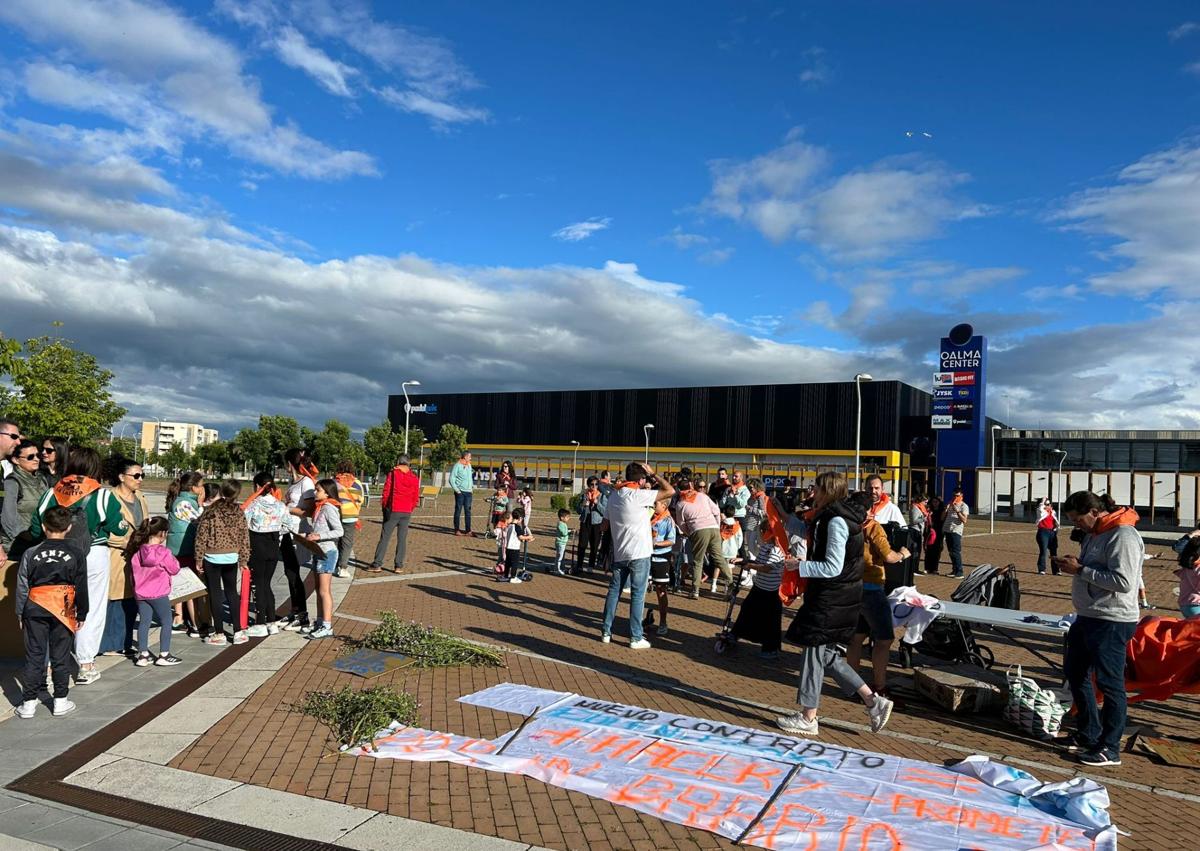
<point x="293" y="205"/>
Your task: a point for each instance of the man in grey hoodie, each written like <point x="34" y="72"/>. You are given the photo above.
<point x="1104" y="591"/>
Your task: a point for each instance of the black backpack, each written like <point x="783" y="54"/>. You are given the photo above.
<point x="1006" y="593"/>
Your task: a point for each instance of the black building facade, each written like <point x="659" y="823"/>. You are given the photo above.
<point x="755" y="417"/>
<point x="1147" y="451"/>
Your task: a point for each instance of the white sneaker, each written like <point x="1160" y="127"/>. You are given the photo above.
<point x="880" y="711"/>
<point x="62" y="706"/>
<point x="144" y="660"/>
<point x="798" y="724"/>
<point x="259" y="630"/>
<point x="343" y="574"/>
<point x="86" y="676"/>
<point x="605" y="638"/>
<point x="240" y="637"/>
<point x="272" y="629"/>
<point x="322" y="631"/>
<point x="516" y="580"/>
<point x="640" y="644"/>
<point x="217" y="639"/>
<point x="26" y="709"/>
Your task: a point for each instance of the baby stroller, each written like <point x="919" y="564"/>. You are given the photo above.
<point x="953" y="640"/>
<point x="725" y="638"/>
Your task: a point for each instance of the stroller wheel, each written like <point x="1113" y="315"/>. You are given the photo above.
<point x="986" y="658"/>
<point x="720" y="646"/>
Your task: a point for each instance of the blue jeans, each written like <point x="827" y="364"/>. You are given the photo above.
<point x="1098" y="646"/>
<point x="954" y="544"/>
<point x="1047" y="541"/>
<point x="118" y="626"/>
<point x="635" y="573"/>
<point x="462" y="504"/>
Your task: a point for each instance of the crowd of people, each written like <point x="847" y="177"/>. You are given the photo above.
<point x="97" y="570"/>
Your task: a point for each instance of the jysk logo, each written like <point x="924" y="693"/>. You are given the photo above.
<point x="942" y="393"/>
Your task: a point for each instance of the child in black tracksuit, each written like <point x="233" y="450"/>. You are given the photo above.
<point x="516" y="533"/>
<point x="52" y="599"/>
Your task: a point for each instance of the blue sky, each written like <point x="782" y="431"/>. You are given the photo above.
<point x="292" y="207"/>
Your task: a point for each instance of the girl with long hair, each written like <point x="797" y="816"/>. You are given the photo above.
<point x="125" y="476"/>
<point x="54" y="453"/>
<point x="265" y="516"/>
<point x="222" y="546"/>
<point x="183" y="513"/>
<point x="325" y="533"/>
<point x="153" y="565"/>
<point x="299" y="500"/>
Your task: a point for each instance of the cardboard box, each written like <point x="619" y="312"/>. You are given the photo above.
<point x="962" y="689"/>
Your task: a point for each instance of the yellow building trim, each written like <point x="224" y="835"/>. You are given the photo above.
<point x="892" y="456"/>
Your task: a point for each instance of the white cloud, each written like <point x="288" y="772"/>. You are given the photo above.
<point x="817" y="70"/>
<point x="579" y="231"/>
<point x="426" y="76"/>
<point x="1150" y="216"/>
<point x="1192" y="68"/>
<point x="716" y="256"/>
<point x="294" y="50"/>
<point x="1184" y="29"/>
<point x="788" y="194"/>
<point x="167" y="79"/>
<point x="1070" y="292"/>
<point x="683" y="240"/>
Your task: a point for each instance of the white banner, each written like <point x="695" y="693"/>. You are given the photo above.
<point x="762" y="788"/>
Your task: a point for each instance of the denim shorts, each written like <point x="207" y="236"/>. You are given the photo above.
<point x="328" y="564"/>
<point x="1190" y="612"/>
<point x="875" y="616"/>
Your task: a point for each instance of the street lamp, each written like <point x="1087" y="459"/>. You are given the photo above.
<point x="646" y="429"/>
<point x="995" y="429"/>
<point x="1063" y="454"/>
<point x="858" y="380"/>
<point x="407" y="407"/>
<point x="574" y="459"/>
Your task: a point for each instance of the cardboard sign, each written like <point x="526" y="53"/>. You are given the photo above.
<point x="186" y="585"/>
<point x="370" y="663"/>
<point x="312" y="546"/>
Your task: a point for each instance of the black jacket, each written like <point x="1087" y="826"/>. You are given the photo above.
<point x="52" y="563"/>
<point x="830" y="610"/>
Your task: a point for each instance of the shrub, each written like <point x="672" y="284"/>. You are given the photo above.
<point x="355" y="717"/>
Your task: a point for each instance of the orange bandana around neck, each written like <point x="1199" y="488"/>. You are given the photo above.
<point x="884" y="499"/>
<point x="274" y="492"/>
<point x="1125" y="516"/>
<point x="309" y="469"/>
<point x="733" y="528"/>
<point x="688" y="496"/>
<point x="74" y="488"/>
<point x="775" y="528"/>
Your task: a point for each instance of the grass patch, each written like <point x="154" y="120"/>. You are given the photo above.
<point x="428" y="647"/>
<point x="356" y="716"/>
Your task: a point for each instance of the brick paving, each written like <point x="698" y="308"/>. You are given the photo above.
<point x="268" y="743"/>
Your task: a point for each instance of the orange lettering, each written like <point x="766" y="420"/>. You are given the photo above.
<point x="764" y="773"/>
<point x="936" y="778"/>
<point x="611" y="741"/>
<point x="654" y="789"/>
<point x="557" y="738"/>
<point x="697" y="807"/>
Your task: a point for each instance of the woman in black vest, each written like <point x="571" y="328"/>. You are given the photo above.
<point x="829" y="614"/>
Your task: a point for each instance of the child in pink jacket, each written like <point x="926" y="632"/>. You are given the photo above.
<point x="153" y="566"/>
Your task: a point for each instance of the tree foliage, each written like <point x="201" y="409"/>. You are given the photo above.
<point x="57" y="390"/>
<point x="283" y="433"/>
<point x="175" y="459"/>
<point x="251" y="447"/>
<point x="451" y="442"/>
<point x="213" y="458"/>
<point x="384" y="446"/>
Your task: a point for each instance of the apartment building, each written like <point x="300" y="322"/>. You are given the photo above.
<point x="158" y="437"/>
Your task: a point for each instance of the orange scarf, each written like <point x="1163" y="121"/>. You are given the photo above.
<point x="775" y="530"/>
<point x="659" y="515"/>
<point x="309" y="469"/>
<point x="321" y="503"/>
<point x="884" y="499"/>
<point x="274" y="492"/>
<point x="74" y="488"/>
<point x="1120" y="517"/>
<point x="733" y="528"/>
<point x="58" y="600"/>
<point x="920" y="506"/>
<point x="632" y="485"/>
<point x="688" y="496"/>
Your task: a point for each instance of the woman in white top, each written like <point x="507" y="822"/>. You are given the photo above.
<point x="299" y="500"/>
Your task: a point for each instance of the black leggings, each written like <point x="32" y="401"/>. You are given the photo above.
<point x="215" y="576"/>
<point x="264" y="555"/>
<point x="589" y="536"/>
<point x="291" y="569"/>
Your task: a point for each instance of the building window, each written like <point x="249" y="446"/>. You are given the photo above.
<point x="1168" y="456"/>
<point x="1118" y="455"/>
<point x="1143" y="455"/>
<point x="1191" y="456"/>
<point x="1093" y="455"/>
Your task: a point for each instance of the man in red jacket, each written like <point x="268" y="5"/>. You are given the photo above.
<point x="400" y="494"/>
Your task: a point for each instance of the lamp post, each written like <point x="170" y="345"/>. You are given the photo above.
<point x="858" y="380"/>
<point x="995" y="429"/>
<point x="407" y="408"/>
<point x="646" y="429"/>
<point x="1062" y="453"/>
<point x="574" y="459"/>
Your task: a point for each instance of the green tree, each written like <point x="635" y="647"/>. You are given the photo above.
<point x="331" y="444"/>
<point x="175" y="459"/>
<point x="214" y="457"/>
<point x="124" y="447"/>
<point x="251" y="447"/>
<point x="283" y="433"/>
<point x="383" y="446"/>
<point x="58" y="390"/>
<point x="451" y="442"/>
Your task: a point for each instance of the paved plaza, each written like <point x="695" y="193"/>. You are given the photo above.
<point x="220" y="756"/>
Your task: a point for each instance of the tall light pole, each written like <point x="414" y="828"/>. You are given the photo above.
<point x="858" y="380"/>
<point x="1062" y="453"/>
<point x="407" y="408"/>
<point x="646" y="429"/>
<point x="157" y="435"/>
<point x="574" y="459"/>
<point x="995" y="429"/>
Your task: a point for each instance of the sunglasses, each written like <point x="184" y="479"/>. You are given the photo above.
<point x="27" y="457"/>
<point x="14" y="435"/>
<point x="135" y="475"/>
<point x="47" y="450"/>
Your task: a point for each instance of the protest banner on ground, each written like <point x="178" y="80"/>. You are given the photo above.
<point x="764" y="788"/>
